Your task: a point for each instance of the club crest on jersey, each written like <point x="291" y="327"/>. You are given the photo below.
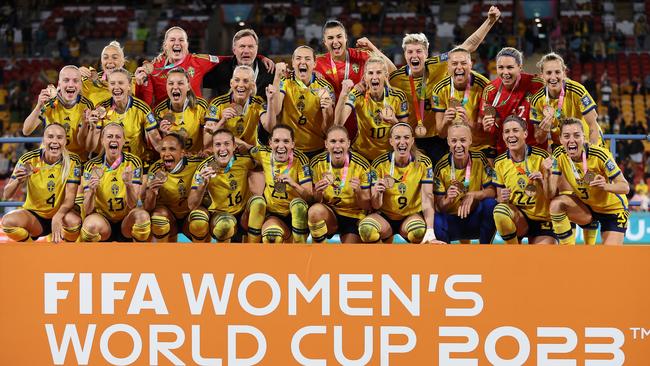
<point x="521" y="183"/>
<point x="233" y="185"/>
<point x="182" y="191"/>
<point x="355" y="68"/>
<point x="190" y="71"/>
<point x="50" y="186"/>
<point x="115" y="189"/>
<point x="401" y="188"/>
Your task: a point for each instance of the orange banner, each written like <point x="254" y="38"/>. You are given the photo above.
<point x="150" y="304"/>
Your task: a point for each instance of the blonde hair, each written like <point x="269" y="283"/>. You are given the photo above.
<point x="191" y="96"/>
<point x="117" y="46"/>
<point x="66" y="67"/>
<point x="65" y="161"/>
<point x="245" y="33"/>
<point x="162" y="48"/>
<point x="376" y="59"/>
<point x="550" y="57"/>
<point x="123" y="71"/>
<point x="252" y="72"/>
<point x="415" y="38"/>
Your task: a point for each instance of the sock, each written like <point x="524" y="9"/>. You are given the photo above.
<point x="79" y="202"/>
<point x="256" y="216"/>
<point x="299" y="229"/>
<point x="88" y="237"/>
<point x="503" y="219"/>
<point x="369" y="230"/>
<point x="562" y="229"/>
<point x="318" y="231"/>
<point x="590" y="232"/>
<point x="199" y="225"/>
<point x="16" y="233"/>
<point x="272" y="234"/>
<point x="415" y="230"/>
<point x="71" y="234"/>
<point x="160" y="228"/>
<point x="141" y="232"/>
<point x="224" y="228"/>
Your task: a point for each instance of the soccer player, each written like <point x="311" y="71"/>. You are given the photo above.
<point x="241" y="111"/>
<point x="341" y="189"/>
<point x="402" y="192"/>
<point x="52" y="175"/>
<point x="140" y="125"/>
<point x="111" y="183"/>
<point x="64" y="105"/>
<point x="465" y="195"/>
<point x="509" y="94"/>
<point x="305" y="102"/>
<point x="562" y="98"/>
<point x="168" y="186"/>
<point x="288" y="187"/>
<point x="459" y="95"/>
<point x="183" y="112"/>
<point x="95" y="84"/>
<point x="377" y="110"/>
<point x="596" y="188"/>
<point x="523" y="189"/>
<point x="224" y="175"/>
<point x="421" y="71"/>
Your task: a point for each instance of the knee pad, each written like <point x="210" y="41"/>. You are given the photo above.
<point x="224" y="227"/>
<point x="16" y="233"/>
<point x="71" y="233"/>
<point x="504" y="221"/>
<point x="415" y="230"/>
<point x="318" y="230"/>
<point x="299" y="228"/>
<point x="272" y="234"/>
<point x="199" y="225"/>
<point x="369" y="230"/>
<point x="160" y="226"/>
<point x="141" y="231"/>
<point x="88" y="237"/>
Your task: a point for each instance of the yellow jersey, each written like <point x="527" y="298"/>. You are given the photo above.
<point x="244" y="126"/>
<point x="442" y="94"/>
<point x="97" y="91"/>
<point x="599" y="161"/>
<point x="46" y="186"/>
<point x="278" y="201"/>
<point x="189" y="122"/>
<point x="173" y="193"/>
<point x="444" y="174"/>
<point x="340" y="196"/>
<point x="514" y="176"/>
<point x="435" y="70"/>
<point x="137" y="120"/>
<point x="372" y="132"/>
<point x="577" y="103"/>
<point x="71" y="118"/>
<point x="229" y="189"/>
<point x="302" y="112"/>
<point x="110" y="196"/>
<point x="404" y="198"/>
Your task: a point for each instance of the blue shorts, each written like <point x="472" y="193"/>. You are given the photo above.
<point x="538" y="228"/>
<point x="478" y="225"/>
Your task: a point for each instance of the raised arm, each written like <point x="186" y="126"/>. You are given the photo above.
<point x="475" y="39"/>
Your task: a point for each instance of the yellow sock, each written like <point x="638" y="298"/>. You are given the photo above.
<point x="141" y="232"/>
<point x="71" y="234"/>
<point x="318" y="230"/>
<point x="562" y="229"/>
<point x="369" y="230"/>
<point x="16" y="233"/>
<point x="415" y="231"/>
<point x="590" y="233"/>
<point x="225" y="227"/>
<point x="160" y="228"/>
<point x="504" y="221"/>
<point x="88" y="237"/>
<point x="272" y="234"/>
<point x="299" y="228"/>
<point x="199" y="226"/>
<point x="256" y="216"/>
<point x="79" y="202"/>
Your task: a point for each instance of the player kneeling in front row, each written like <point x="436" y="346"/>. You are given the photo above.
<point x="341" y="189"/>
<point x="402" y="192"/>
<point x="463" y="186"/>
<point x="288" y="187"/>
<point x="111" y="183"/>
<point x="167" y="188"/>
<point x="52" y="175"/>
<point x="595" y="186"/>
<point x="225" y="176"/>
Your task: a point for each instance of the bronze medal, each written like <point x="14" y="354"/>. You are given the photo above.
<point x="51" y="91"/>
<point x="420" y="130"/>
<point x="460" y="186"/>
<point x="148" y="67"/>
<point x="94" y="75"/>
<point x="214" y="165"/>
<point x="548" y="111"/>
<point x="169" y="116"/>
<point x="101" y="112"/>
<point x="387" y="112"/>
<point x="238" y="108"/>
<point x="589" y="177"/>
<point x="454" y="103"/>
<point x="389" y="181"/>
<point x="329" y="177"/>
<point x="489" y="111"/>
<point x="161" y="176"/>
<point x="322" y="93"/>
<point x="98" y="172"/>
<point x="280" y="187"/>
<point x="530" y="190"/>
<point x="29" y="169"/>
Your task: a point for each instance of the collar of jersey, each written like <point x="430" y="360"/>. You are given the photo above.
<point x="128" y="104"/>
<point x="313" y="78"/>
<point x="329" y="158"/>
<point x="390" y="157"/>
<point x="250" y="99"/>
<point x="63" y="103"/>
<point x="530" y="150"/>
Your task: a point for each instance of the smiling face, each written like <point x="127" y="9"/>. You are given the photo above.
<point x="514" y="135"/>
<point x="171" y="152"/>
<point x="415" y="55"/>
<point x="111" y="59"/>
<point x="113" y="140"/>
<point x="223" y="145"/>
<point x="459" y="139"/>
<point x="337" y="144"/>
<point x="177" y="87"/>
<point x="119" y="86"/>
<point x="54" y="140"/>
<point x="303" y="63"/>
<point x="176" y="45"/>
<point x="508" y="70"/>
<point x="375" y="77"/>
<point x="459" y="67"/>
<point x="69" y="84"/>
<point x="553" y="75"/>
<point x="573" y="138"/>
<point x="401" y="139"/>
<point x="282" y="144"/>
<point x="335" y="41"/>
<point x="245" y="50"/>
<point x="242" y="83"/>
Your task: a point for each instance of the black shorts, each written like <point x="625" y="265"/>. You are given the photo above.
<point x="434" y="147"/>
<point x="612" y="222"/>
<point x="46" y="224"/>
<point x="347" y="225"/>
<point x="395" y="225"/>
<point x="284" y="218"/>
<point x="116" y="232"/>
<point x="538" y="228"/>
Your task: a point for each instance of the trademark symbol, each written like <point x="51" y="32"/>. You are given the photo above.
<point x="640" y="333"/>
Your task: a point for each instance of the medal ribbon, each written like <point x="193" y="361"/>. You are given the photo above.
<point x="178" y="167"/>
<point x="525" y="172"/>
<point x="467" y="89"/>
<point x="246" y="105"/>
<point x="576" y="174"/>
<point x="115" y="164"/>
<point x="468" y="171"/>
<point x="392" y="167"/>
<point x="344" y="171"/>
<point x="498" y="96"/>
<point x="172" y="66"/>
<point x="560" y="101"/>
<point x="417" y="102"/>
<point x="347" y="67"/>
<point x="286" y="170"/>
